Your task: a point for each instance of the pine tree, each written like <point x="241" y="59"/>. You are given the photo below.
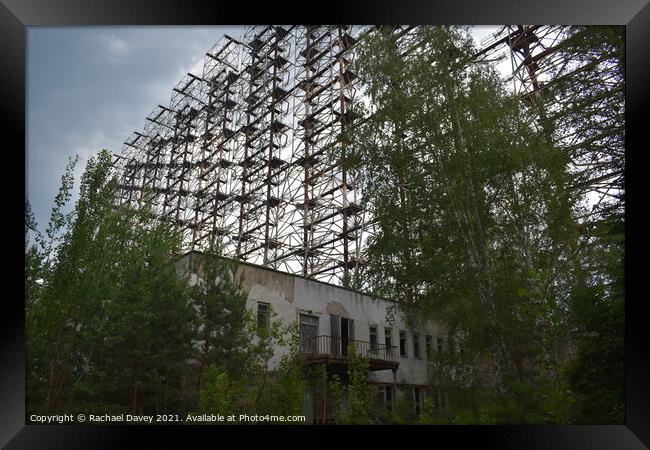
<point x="112" y="313"/>
<point x="224" y="333"/>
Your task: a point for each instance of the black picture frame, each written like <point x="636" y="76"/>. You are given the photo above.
<point x="16" y="15"/>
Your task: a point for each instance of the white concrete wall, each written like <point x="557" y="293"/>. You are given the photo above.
<point x="291" y="295"/>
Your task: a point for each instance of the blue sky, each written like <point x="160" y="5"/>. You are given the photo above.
<point x="88" y="88"/>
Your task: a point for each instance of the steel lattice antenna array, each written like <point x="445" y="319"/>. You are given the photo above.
<point x="249" y="153"/>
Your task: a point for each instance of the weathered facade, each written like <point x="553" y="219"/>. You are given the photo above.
<point x="332" y="318"/>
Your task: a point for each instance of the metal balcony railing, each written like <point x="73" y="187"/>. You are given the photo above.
<point x="337" y="347"/>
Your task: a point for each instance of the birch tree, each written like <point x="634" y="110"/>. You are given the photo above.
<point x="470" y="197"/>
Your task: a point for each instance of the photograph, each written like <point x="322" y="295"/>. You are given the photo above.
<point x="325" y="225"/>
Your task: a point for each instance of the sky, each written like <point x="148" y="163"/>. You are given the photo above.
<point x="89" y="88"/>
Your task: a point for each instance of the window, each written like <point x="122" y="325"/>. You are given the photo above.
<point x="263" y="317"/>
<point x="373" y="338"/>
<point x="402" y="343"/>
<point x="308" y="333"/>
<point x="441" y="343"/>
<point x="416" y="345"/>
<point x="428" y="342"/>
<point x="342" y="334"/>
<point x="388" y="338"/>
<point x="439" y="399"/>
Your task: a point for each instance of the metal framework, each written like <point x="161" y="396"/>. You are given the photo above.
<point x="588" y="122"/>
<point x="249" y="153"/>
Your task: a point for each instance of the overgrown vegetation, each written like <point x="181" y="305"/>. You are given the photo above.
<point x="481" y="220"/>
<point x="113" y="323"/>
<point x="481" y="223"/>
<point x="354" y="400"/>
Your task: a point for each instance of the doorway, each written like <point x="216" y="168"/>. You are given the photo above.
<point x="342" y="333"/>
<point x="345" y="335"/>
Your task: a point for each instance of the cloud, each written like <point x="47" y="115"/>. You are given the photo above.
<point x="89" y="88"/>
<point x="197" y="67"/>
<point x="111" y="48"/>
<point x="117" y="46"/>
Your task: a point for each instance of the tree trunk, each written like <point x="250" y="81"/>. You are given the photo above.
<point x="478" y="251"/>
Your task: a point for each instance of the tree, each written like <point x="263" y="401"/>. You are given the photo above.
<point x="282" y="388"/>
<point x="258" y="389"/>
<point x="112" y="321"/>
<point x="145" y="336"/>
<point x="596" y="374"/>
<point x="224" y="327"/>
<point x="236" y="349"/>
<point x="290" y="381"/>
<point x="221" y="393"/>
<point x="112" y="313"/>
<point x="33" y="263"/>
<point x="471" y="201"/>
<point x="584" y="104"/>
<point x="354" y="399"/>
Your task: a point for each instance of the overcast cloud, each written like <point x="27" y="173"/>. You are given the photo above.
<point x="88" y="88"/>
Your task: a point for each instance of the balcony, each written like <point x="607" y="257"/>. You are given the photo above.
<point x="334" y="350"/>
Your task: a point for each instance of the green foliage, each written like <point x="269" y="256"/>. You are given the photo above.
<point x="259" y="390"/>
<point x="220" y="393"/>
<point x="224" y="326"/>
<point x="110" y="325"/>
<point x="462" y="188"/>
<point x="147" y="329"/>
<point x="354" y="402"/>
<point x="475" y="206"/>
<point x="112" y="321"/>
<point x="59" y="222"/>
<point x="233" y="344"/>
<point x="281" y="388"/>
<point x="597" y="373"/>
<point x="287" y="396"/>
<point x="33" y="263"/>
<point x="289" y="380"/>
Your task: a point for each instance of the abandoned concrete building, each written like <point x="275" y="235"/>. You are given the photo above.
<point x="250" y="152"/>
<point x="332" y="318"/>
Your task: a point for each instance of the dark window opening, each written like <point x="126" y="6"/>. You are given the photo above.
<point x="308" y="333"/>
<point x="373" y="339"/>
<point x="386" y="396"/>
<point x="439" y="400"/>
<point x="402" y="343"/>
<point x="263" y="317"/>
<point x="416" y="345"/>
<point x="417" y="400"/>
<point x="441" y="343"/>
<point x="428" y="342"/>
<point x="388" y="337"/>
<point x="342" y="333"/>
